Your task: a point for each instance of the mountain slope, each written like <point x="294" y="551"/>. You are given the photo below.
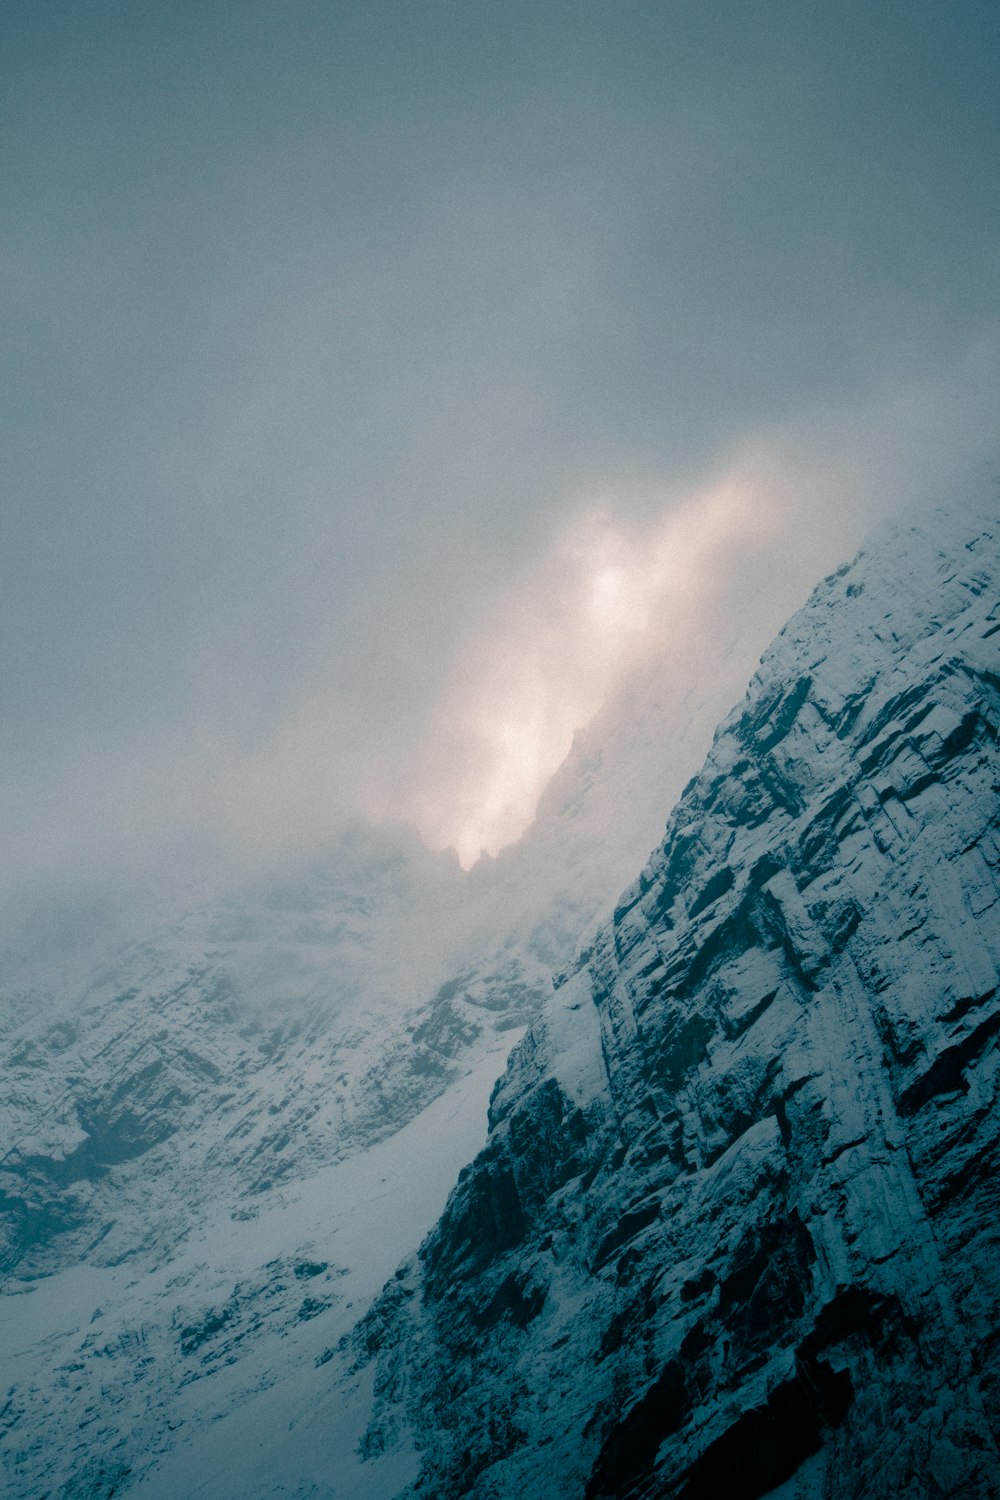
<point x="734" y="1230"/>
<point x="218" y="1137"/>
<point x="713" y="1209"/>
<point x="197" y="1191"/>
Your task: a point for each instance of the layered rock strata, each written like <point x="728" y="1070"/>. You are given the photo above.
<point x="735" y="1230"/>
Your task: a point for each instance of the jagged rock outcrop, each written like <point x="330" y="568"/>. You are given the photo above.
<point x="735" y="1229"/>
<point x="732" y="1233"/>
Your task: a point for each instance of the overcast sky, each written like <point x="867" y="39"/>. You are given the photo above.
<point x="361" y="360"/>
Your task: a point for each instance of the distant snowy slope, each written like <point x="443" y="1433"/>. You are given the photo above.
<point x="175" y="1142"/>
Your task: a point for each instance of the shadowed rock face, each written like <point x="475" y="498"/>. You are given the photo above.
<point x="735" y="1231"/>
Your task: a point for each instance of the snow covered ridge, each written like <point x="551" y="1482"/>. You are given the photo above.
<point x="735" y="1228"/>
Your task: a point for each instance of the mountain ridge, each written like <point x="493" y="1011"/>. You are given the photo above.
<point x="209" y="1345"/>
<point x="739" y="1236"/>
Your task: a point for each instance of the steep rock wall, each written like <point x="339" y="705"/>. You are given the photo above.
<point x="735" y="1228"/>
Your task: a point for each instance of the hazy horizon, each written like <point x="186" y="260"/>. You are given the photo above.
<point x="385" y="381"/>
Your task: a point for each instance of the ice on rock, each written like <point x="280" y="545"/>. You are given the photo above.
<point x="735" y="1228"/>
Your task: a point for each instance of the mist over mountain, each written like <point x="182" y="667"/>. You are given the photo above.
<point x="236" y="1105"/>
<point x="732" y="1229"/>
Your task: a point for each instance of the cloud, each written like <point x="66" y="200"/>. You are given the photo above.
<point x="363" y="361"/>
<point x="733" y="557"/>
<point x="541" y="663"/>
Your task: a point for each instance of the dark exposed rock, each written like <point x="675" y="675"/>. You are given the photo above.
<point x="752" y="1152"/>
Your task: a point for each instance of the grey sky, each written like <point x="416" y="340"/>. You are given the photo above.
<point x="324" y="321"/>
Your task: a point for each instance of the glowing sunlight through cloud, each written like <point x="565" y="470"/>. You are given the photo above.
<point x="543" y="665"/>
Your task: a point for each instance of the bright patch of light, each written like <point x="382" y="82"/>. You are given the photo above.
<point x="587" y="613"/>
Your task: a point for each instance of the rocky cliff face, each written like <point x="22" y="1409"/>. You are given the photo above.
<point x="735" y="1228"/>
<point x="221" y="1129"/>
<point x="732" y="1230"/>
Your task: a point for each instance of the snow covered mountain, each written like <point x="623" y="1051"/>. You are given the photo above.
<point x="218" y="1137"/>
<point x="734" y="1231"/>
<point x="731" y="1227"/>
<point x="178" y="1148"/>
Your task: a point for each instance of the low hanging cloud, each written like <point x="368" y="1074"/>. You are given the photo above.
<point x="683" y="575"/>
<point x="364" y="432"/>
<point x="716" y="571"/>
<point x="543" y="661"/>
